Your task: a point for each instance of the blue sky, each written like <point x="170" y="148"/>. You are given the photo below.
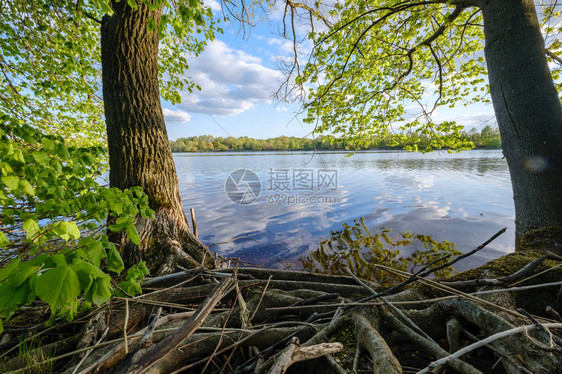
<point x="239" y="76"/>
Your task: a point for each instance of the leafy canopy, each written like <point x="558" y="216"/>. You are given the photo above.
<point x="53" y="235"/>
<point x="384" y="67"/>
<point x="50" y="60"/>
<point x="54" y="205"/>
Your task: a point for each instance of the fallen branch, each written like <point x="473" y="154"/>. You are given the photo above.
<point x="451" y="290"/>
<point x="521" y="273"/>
<point x="483" y="342"/>
<point x="430" y="347"/>
<point x="118" y="352"/>
<point x="417" y="302"/>
<point x="142" y="344"/>
<point x="143" y="360"/>
<point x="295" y="353"/>
<point x="392" y="307"/>
<point x="89" y="351"/>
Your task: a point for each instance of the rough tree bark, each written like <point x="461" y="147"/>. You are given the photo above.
<point x="528" y="112"/>
<point x="139" y="151"/>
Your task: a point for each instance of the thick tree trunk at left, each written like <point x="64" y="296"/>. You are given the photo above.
<point x="139" y="151"/>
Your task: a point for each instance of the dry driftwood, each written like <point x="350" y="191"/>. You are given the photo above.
<point x="261" y="320"/>
<point x="143" y="359"/>
<point x="295" y="353"/>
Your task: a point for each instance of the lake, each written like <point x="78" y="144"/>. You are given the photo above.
<point x="270" y="208"/>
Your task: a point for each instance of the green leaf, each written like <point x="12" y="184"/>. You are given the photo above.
<point x="67" y="230"/>
<point x="151" y="24"/>
<point x="59" y="259"/>
<point x="18" y="156"/>
<point x="3" y="241"/>
<point x="114" y="260"/>
<point x="31" y="228"/>
<point x="11" y="298"/>
<point x="131" y="287"/>
<point x="95" y="253"/>
<point x="116" y="206"/>
<point x="27" y="188"/>
<point x="100" y="291"/>
<point x="142" y="266"/>
<point x="58" y="287"/>
<point x="84" y="271"/>
<point x="24" y="273"/>
<point x="9" y="269"/>
<point x="121" y="223"/>
<point x="11" y="181"/>
<point x="133" y="234"/>
<point x="41" y="157"/>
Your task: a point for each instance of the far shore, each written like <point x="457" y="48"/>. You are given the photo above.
<point x="370" y="150"/>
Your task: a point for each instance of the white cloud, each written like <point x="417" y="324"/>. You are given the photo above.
<point x="284" y="45"/>
<point x="281" y="108"/>
<point x="478" y="120"/>
<point x="232" y="81"/>
<point x="213" y="4"/>
<point x="175" y="116"/>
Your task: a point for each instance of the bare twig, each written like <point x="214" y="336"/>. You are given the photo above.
<point x="524" y="271"/>
<point x="483" y="342"/>
<point x="261" y="298"/>
<point x="553" y="56"/>
<point x="125" y="323"/>
<point x="90" y="351"/>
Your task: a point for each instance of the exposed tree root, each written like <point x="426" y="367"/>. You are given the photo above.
<point x="369" y="339"/>
<point x="265" y="321"/>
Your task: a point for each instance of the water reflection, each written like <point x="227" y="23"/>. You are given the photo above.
<point x="355" y="248"/>
<point x="463" y="198"/>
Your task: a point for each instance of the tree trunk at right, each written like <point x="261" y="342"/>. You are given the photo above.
<point x="528" y="112"/>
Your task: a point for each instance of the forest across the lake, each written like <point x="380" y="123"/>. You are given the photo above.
<point x="488" y="138"/>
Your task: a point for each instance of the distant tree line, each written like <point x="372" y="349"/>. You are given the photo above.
<point x="488" y="138"/>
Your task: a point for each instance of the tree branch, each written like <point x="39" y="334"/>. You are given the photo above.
<point x="553" y="56"/>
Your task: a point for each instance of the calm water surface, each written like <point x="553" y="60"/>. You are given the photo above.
<point x="463" y="198"/>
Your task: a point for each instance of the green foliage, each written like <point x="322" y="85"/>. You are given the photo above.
<point x="489" y="138"/>
<point x="385" y="67"/>
<point x="54" y="213"/>
<point x="54" y="221"/>
<point x="132" y="283"/>
<point x="551" y="29"/>
<point x="50" y="60"/>
<point x="358" y="249"/>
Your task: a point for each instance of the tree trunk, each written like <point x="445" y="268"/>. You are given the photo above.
<point x="139" y="151"/>
<point x="527" y="110"/>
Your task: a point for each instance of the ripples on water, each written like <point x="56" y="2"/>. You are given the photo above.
<point x="463" y="198"/>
